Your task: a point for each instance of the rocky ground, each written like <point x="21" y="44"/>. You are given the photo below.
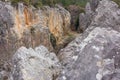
<point x="34" y="44"/>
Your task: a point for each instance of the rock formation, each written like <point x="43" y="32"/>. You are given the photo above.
<point x="74" y="11"/>
<point x="33" y="64"/>
<point x="85" y="18"/>
<point x="106" y="14"/>
<point x="26" y="26"/>
<point x="95" y="54"/>
<point x="41" y="64"/>
<point x="58" y="21"/>
<point x="92" y="57"/>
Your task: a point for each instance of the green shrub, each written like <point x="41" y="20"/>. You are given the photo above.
<point x="14" y="2"/>
<point x="39" y="3"/>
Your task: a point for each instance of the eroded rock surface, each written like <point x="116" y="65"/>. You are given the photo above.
<point x="26" y="26"/>
<point x="96" y="57"/>
<point x="93" y="55"/>
<point x="107" y="15"/>
<point x="58" y="21"/>
<point x="33" y="64"/>
<point x="85" y="19"/>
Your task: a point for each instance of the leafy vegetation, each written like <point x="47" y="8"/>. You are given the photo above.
<point x="39" y="3"/>
<point x="24" y="1"/>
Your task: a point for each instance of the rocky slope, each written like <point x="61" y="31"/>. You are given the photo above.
<point x="93" y="55"/>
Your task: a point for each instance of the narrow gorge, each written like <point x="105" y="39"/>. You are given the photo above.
<point x="59" y="42"/>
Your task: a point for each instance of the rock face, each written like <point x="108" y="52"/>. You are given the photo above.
<point x="58" y="21"/>
<point x="94" y="4"/>
<point x="86" y="18"/>
<point x="95" y="54"/>
<point x="34" y="64"/>
<point x="26" y="26"/>
<point x="92" y="57"/>
<point x="74" y="11"/>
<point x="108" y="15"/>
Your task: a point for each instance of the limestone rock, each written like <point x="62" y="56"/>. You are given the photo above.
<point x="58" y="21"/>
<point x="94" y="56"/>
<point x="94" y="4"/>
<point x="107" y="15"/>
<point x="34" y="64"/>
<point x="74" y="11"/>
<point x="82" y="22"/>
<point x="26" y="26"/>
<point x="86" y="18"/>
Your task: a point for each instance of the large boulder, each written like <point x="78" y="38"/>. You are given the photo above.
<point x="33" y="64"/>
<point x="93" y="56"/>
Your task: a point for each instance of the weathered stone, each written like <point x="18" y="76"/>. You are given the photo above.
<point x="74" y="11"/>
<point x="37" y="64"/>
<point x="76" y="55"/>
<point x="58" y="21"/>
<point x="107" y="15"/>
<point x="94" y="4"/>
<point x="82" y="22"/>
<point x="86" y="18"/>
<point x="26" y="26"/>
<point x="92" y="57"/>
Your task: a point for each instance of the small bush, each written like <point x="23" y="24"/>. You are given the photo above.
<point x="14" y="2"/>
<point x="39" y="3"/>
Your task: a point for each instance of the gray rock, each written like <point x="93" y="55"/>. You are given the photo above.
<point x="37" y="64"/>
<point x="82" y="22"/>
<point x="107" y="15"/>
<point x="86" y="18"/>
<point x="94" y="4"/>
<point x="94" y="56"/>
